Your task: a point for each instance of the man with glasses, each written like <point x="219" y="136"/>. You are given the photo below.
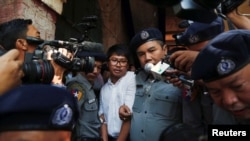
<point x="117" y="91"/>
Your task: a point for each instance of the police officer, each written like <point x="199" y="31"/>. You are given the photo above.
<point x="198" y="108"/>
<point x="226" y="73"/>
<point x="82" y="85"/>
<point x="157" y="104"/>
<point x="37" y="113"/>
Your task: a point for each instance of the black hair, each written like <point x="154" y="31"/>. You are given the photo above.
<point x="12" y="30"/>
<point x="119" y="49"/>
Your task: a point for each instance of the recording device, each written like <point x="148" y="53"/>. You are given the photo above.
<point x="204" y="10"/>
<point x="35" y="70"/>
<point x="78" y="63"/>
<point x="158" y="70"/>
<point x="159" y="73"/>
<point x="189" y="9"/>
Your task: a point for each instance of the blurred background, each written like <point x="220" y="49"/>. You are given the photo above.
<point x="110" y="21"/>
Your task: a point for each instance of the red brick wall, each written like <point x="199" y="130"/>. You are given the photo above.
<point x="42" y="16"/>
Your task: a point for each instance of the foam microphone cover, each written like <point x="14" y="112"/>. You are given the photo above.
<point x="189" y="10"/>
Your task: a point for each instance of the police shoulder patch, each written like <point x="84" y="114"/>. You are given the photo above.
<point x="76" y="89"/>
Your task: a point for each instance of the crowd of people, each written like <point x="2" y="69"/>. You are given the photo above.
<point x="128" y="104"/>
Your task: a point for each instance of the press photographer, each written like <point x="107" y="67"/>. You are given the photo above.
<point x="13" y="35"/>
<point x="70" y="56"/>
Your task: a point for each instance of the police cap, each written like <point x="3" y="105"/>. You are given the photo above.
<point x="199" y="32"/>
<point x="37" y="107"/>
<point x="145" y="35"/>
<point x="224" y="55"/>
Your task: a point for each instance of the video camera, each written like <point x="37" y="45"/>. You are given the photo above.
<point x="38" y="69"/>
<point x="35" y="70"/>
<point x="204" y="10"/>
<point x="77" y="63"/>
<point x="200" y="10"/>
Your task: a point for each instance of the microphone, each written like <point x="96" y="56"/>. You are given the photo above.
<point x="188" y="9"/>
<point x="158" y="70"/>
<point x="59" y="43"/>
<point x="91" y="46"/>
<point x="83" y="46"/>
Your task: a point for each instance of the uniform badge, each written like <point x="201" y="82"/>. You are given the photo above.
<point x="76" y="90"/>
<point x="62" y="116"/>
<point x="225" y="66"/>
<point x="77" y="94"/>
<point x="193" y="39"/>
<point x="144" y="35"/>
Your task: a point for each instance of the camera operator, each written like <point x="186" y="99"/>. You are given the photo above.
<point x="60" y="72"/>
<point x="10" y="71"/>
<point x="13" y="34"/>
<point x="23" y="36"/>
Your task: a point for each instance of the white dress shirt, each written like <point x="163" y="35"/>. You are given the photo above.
<point x="112" y="96"/>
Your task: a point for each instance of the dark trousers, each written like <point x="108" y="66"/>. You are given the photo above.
<point x="91" y="139"/>
<point x="114" y="139"/>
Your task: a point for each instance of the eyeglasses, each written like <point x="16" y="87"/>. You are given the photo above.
<point x="114" y="62"/>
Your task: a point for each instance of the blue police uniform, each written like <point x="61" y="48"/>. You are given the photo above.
<point x="88" y="125"/>
<point x="227" y="53"/>
<point x="200" y="111"/>
<point x="157" y="106"/>
<point x="38" y="107"/>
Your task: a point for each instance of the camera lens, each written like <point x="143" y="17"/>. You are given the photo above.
<point x="38" y="71"/>
<point x="85" y="64"/>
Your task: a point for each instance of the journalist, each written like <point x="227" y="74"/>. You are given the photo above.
<point x="14" y="33"/>
<point x="22" y="35"/>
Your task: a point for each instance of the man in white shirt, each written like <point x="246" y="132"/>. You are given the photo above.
<point x="118" y="90"/>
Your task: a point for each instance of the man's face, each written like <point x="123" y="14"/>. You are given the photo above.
<point x="150" y="52"/>
<point x="97" y="70"/>
<point x="233" y="92"/>
<point x="22" y="44"/>
<point x="33" y="32"/>
<point x="118" y="66"/>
